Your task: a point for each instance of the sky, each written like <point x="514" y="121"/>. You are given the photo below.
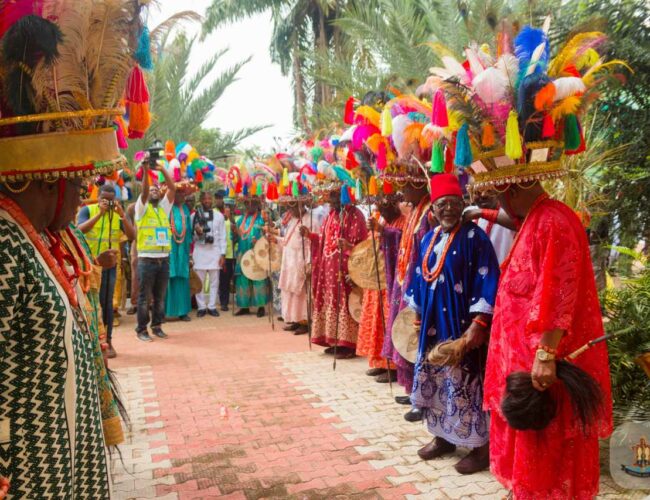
<point x="261" y="95"/>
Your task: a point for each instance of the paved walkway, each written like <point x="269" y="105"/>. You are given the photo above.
<point x="227" y="408"/>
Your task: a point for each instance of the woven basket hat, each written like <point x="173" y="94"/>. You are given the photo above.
<point x="64" y="68"/>
<point x="518" y="109"/>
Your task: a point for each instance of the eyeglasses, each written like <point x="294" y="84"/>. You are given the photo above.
<point x="453" y="203"/>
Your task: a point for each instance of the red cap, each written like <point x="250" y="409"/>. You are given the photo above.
<point x="444" y="185"/>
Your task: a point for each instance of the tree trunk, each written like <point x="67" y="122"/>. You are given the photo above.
<point x="299" y="86"/>
<point x="324" y="51"/>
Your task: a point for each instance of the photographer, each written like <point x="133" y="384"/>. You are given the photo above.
<point x="104" y="223"/>
<point x="209" y="252"/>
<point x="153" y="245"/>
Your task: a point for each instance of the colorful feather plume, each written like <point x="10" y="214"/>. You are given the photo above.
<point x="95" y="55"/>
<point x="532" y="50"/>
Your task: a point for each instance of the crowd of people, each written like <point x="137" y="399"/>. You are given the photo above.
<point x="474" y="289"/>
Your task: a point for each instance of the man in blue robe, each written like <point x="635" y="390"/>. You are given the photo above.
<point x="453" y="290"/>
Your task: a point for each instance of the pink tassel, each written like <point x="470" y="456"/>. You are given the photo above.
<point x="121" y="140"/>
<point x="439" y="116"/>
<point x="177" y="174"/>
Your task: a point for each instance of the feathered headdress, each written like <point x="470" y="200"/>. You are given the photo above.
<point x="64" y="68"/>
<point x="520" y="110"/>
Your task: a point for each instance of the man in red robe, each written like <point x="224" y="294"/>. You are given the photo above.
<point x="547" y="304"/>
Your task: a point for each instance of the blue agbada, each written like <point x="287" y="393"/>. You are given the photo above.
<point x="452" y="397"/>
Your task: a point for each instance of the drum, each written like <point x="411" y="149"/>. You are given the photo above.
<point x="261" y="252"/>
<point x="363" y="267"/>
<point x="355" y="303"/>
<point x="250" y="269"/>
<point x="405" y="335"/>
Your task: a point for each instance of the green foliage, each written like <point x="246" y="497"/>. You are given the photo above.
<point x="623" y="106"/>
<point x="182" y="100"/>
<point x="628" y="310"/>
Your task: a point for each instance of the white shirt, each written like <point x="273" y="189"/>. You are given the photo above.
<point x="501" y="237"/>
<point x="319" y="214"/>
<point x="206" y="255"/>
<point x="140" y="209"/>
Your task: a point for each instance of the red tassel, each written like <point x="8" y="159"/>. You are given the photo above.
<point x="348" y="116"/>
<point x="136" y="87"/>
<point x="381" y="157"/>
<point x="449" y="156"/>
<point x="387" y="188"/>
<point x="351" y="162"/>
<point x="238" y="187"/>
<point x="548" y="127"/>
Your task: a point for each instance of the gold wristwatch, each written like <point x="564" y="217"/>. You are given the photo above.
<point x="542" y="355"/>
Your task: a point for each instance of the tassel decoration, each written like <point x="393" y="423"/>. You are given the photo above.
<point x="437" y="158"/>
<point x="121" y="139"/>
<point x="260" y="189"/>
<point x="487" y="138"/>
<point x="295" y="192"/>
<point x="285" y="177"/>
<point x="143" y="52"/>
<point x="386" y="122"/>
<point x="548" y="127"/>
<point x="345" y="196"/>
<point x="350" y="161"/>
<point x="514" y="149"/>
<point x="449" y="158"/>
<point x="463" y="149"/>
<point x="137" y="100"/>
<point x="358" y="194"/>
<point x="348" y="115"/>
<point x="439" y="117"/>
<point x="571" y="133"/>
<point x="381" y="157"/>
<point x="387" y="188"/>
<point x="372" y="186"/>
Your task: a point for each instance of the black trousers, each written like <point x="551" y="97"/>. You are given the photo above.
<point x="225" y="282"/>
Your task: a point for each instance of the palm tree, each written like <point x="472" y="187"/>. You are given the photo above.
<point x="180" y="102"/>
<point x="300" y="28"/>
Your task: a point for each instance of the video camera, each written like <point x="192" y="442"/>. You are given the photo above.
<point x="154" y="153"/>
<point x="202" y="220"/>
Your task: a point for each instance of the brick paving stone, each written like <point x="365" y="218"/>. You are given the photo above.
<point x="226" y="408"/>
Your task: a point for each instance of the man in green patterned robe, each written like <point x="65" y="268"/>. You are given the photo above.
<point x="51" y="440"/>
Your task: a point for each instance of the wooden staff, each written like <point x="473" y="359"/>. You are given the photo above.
<point x="270" y="278"/>
<point x="304" y="260"/>
<point x="381" y="298"/>
<point x="338" y="287"/>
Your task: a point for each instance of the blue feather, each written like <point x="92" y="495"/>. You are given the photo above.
<point x="143" y="52"/>
<point x="343" y="175"/>
<point x="526" y="42"/>
<point x="416" y="116"/>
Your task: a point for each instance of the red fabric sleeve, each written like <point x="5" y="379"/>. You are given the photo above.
<point x="556" y="290"/>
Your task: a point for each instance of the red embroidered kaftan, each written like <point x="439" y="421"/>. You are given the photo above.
<point x="326" y="330"/>
<point x="547" y="285"/>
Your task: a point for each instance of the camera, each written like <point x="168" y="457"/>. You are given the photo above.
<point x="111" y="204"/>
<point x="202" y="220"/>
<point x="154" y="153"/>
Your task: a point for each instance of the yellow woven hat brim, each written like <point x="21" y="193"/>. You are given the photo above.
<point x="75" y="153"/>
